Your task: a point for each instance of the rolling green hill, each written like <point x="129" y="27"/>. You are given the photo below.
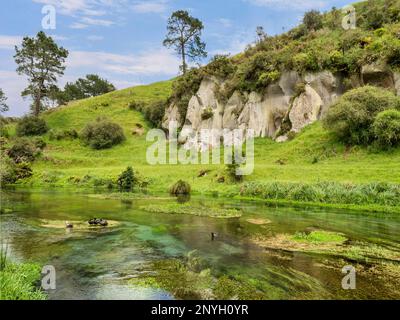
<point x="313" y="156"/>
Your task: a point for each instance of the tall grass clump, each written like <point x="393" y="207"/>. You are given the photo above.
<point x="180" y="188"/>
<point x="17" y="282"/>
<point x="384" y="194"/>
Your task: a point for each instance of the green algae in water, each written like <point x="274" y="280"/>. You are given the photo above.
<point x="319" y="237"/>
<point x="196" y="210"/>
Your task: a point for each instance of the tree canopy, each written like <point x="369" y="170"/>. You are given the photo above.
<point x="90" y="86"/>
<point x="3" y="99"/>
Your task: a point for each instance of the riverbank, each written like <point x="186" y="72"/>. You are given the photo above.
<point x="18" y="281"/>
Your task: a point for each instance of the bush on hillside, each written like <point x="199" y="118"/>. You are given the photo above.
<point x="386" y="128"/>
<point x="220" y="66"/>
<point x="22" y="150"/>
<point x="127" y="180"/>
<point x="102" y="134"/>
<point x="155" y="111"/>
<point x="180" y="188"/>
<point x="7" y="171"/>
<point x="352" y="117"/>
<point x="70" y="134"/>
<point x="313" y="20"/>
<point x="31" y="126"/>
<point x="184" y="88"/>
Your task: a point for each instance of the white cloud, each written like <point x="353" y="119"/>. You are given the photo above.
<point x="225" y="22"/>
<point x="157" y="62"/>
<point x="157" y="6"/>
<point x="9" y="42"/>
<point x="97" y="22"/>
<point x="290" y="4"/>
<point x="95" y="38"/>
<point x="78" y="25"/>
<point x="85" y="7"/>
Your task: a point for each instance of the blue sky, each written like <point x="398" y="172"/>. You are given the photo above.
<point x="121" y="40"/>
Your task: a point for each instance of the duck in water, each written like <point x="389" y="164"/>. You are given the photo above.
<point x="214" y="236"/>
<point x="68" y="225"/>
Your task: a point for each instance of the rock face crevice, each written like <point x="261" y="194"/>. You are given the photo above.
<point x="264" y="113"/>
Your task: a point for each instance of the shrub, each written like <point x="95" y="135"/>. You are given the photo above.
<point x="351" y="118"/>
<point x="220" y="66"/>
<point x="184" y="88"/>
<point x="70" y="134"/>
<point x="155" y="111"/>
<point x="39" y="143"/>
<point x="7" y="171"/>
<point x="127" y="180"/>
<point x="232" y="169"/>
<point x="102" y="134"/>
<point x="11" y="172"/>
<point x="386" y="128"/>
<point x="180" y="188"/>
<point x="136" y="105"/>
<point x="207" y="113"/>
<point x="31" y="126"/>
<point x="22" y="151"/>
<point x="23" y="170"/>
<point x="313" y="20"/>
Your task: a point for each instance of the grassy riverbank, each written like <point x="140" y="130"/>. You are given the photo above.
<point x="354" y="177"/>
<point x="18" y="282"/>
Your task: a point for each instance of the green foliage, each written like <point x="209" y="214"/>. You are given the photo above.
<point x="42" y="61"/>
<point x="91" y="86"/>
<point x="386" y="128"/>
<point x="3" y="99"/>
<point x="11" y="172"/>
<point x="17" y="282"/>
<point x="326" y="192"/>
<point x="319" y="237"/>
<point x="23" y="150"/>
<point x="127" y="180"/>
<point x="207" y="113"/>
<point x="184" y="36"/>
<point x="153" y="112"/>
<point x="220" y="66"/>
<point x="180" y="188"/>
<point x="232" y="168"/>
<point x="184" y="88"/>
<point x="31" y="126"/>
<point x="351" y="118"/>
<point x="39" y="143"/>
<point x="102" y="134"/>
<point x="313" y="20"/>
<point x="306" y="61"/>
<point x="70" y="134"/>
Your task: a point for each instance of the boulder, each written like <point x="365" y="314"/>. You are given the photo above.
<point x="306" y="109"/>
<point x="282" y="139"/>
<point x="377" y="75"/>
<point x="232" y="111"/>
<point x="328" y="86"/>
<point x="171" y="115"/>
<point x="396" y="77"/>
